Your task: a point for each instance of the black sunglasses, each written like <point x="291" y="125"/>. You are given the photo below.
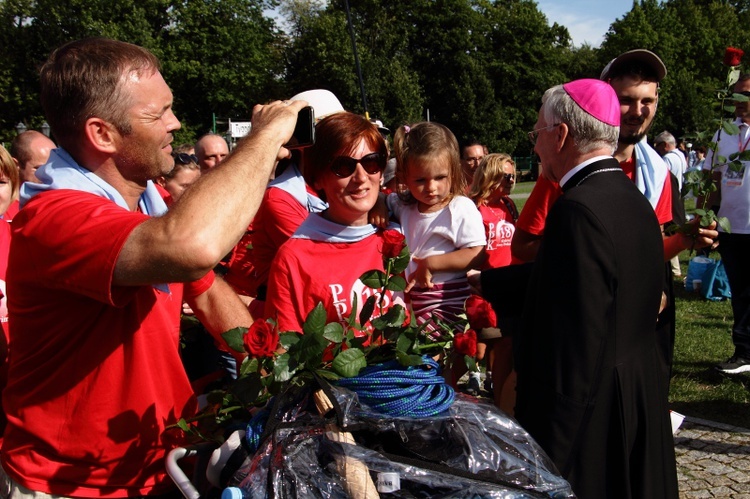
<point x="509" y="177"/>
<point x="344" y="166"/>
<point x="185" y="159"/>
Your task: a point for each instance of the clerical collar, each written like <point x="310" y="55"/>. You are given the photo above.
<point x="580" y="167"/>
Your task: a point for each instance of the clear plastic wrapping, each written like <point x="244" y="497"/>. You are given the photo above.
<point x="344" y="449"/>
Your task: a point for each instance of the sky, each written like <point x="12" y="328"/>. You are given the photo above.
<point x="586" y="20"/>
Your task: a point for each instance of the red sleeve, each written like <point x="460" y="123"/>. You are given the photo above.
<point x="279" y="216"/>
<point x="534" y="212"/>
<point x="282" y="304"/>
<point x="282" y="215"/>
<point x="663" y="208"/>
<point x="196" y="288"/>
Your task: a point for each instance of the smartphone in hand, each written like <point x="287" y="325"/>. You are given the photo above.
<point x="304" y="130"/>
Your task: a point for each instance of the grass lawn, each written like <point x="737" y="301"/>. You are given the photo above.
<point x="703" y="339"/>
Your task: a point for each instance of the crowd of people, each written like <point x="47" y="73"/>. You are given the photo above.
<point x="117" y="232"/>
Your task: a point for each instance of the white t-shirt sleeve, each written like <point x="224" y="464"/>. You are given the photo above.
<point x="467" y="225"/>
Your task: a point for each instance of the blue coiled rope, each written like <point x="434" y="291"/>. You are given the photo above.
<point x="255" y="428"/>
<point x="391" y="389"/>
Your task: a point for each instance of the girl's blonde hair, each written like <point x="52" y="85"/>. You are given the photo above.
<point x="9" y="170"/>
<point x="427" y="140"/>
<point x="488" y="175"/>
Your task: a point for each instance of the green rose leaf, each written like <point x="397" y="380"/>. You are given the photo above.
<point x="352" y="320"/>
<point x="326" y="374"/>
<point x="394" y="317"/>
<point x="708" y="218"/>
<point x="284" y="368"/>
<point x="366" y="313"/>
<point x="349" y="363"/>
<point x="408" y="360"/>
<point x="404" y="343"/>
<point x="234" y="337"/>
<point x="401" y="261"/>
<point x="374" y="279"/>
<point x="744" y="156"/>
<point x="730" y="127"/>
<point x="309" y="350"/>
<point x="316" y="320"/>
<point x="736" y="166"/>
<point x="249" y="366"/>
<point x="358" y="342"/>
<point x="724" y="224"/>
<point x="396" y="283"/>
<point x="247" y="390"/>
<point x="334" y="332"/>
<point x="288" y="339"/>
<point x="183" y="425"/>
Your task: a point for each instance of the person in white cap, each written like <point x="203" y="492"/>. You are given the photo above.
<point x="590" y="388"/>
<point x="286" y="204"/>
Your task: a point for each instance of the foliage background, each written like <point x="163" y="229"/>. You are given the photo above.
<point x="478" y="66"/>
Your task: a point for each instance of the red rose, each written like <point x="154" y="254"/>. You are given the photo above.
<point x="480" y="313"/>
<point x="466" y="343"/>
<point x="733" y="56"/>
<point x="261" y="339"/>
<point x="393" y="243"/>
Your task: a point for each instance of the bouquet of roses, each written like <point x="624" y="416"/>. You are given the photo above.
<point x="331" y="350"/>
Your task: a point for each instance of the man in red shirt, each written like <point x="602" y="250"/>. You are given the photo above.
<point x="95" y="376"/>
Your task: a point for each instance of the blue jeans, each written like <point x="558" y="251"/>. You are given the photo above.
<point x="735" y="253"/>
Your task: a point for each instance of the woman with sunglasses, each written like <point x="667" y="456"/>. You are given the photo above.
<point x="493" y="182"/>
<point x="324" y="259"/>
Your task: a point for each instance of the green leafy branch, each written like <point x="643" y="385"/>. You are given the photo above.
<point x="702" y="182"/>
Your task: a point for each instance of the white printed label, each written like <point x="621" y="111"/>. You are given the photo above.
<point x="388" y="482"/>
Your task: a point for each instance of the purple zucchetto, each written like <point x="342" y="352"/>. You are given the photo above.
<point x="597" y="98"/>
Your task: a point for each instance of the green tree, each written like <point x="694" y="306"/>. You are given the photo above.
<point x="32" y="29"/>
<point x="321" y="56"/>
<point x="477" y="66"/>
<point x="220" y="57"/>
<point x="524" y="56"/>
<point x="690" y="36"/>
